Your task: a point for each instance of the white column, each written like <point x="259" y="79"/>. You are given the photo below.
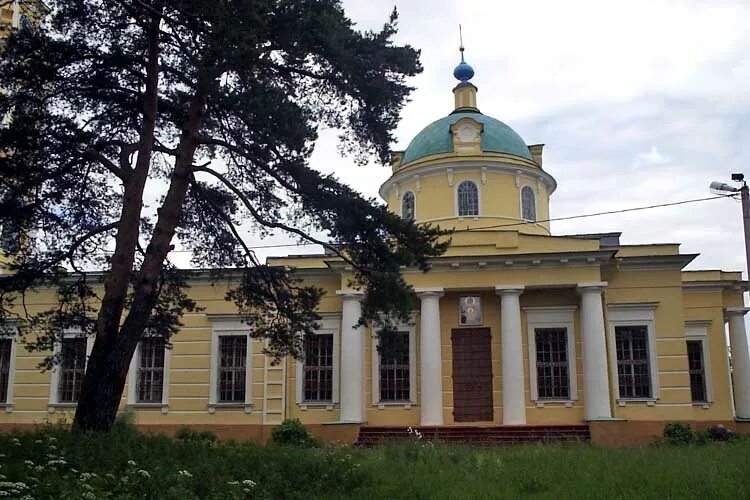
<point x="740" y="360"/>
<point x="431" y="372"/>
<point x="352" y="358"/>
<point x="514" y="399"/>
<point x="595" y="373"/>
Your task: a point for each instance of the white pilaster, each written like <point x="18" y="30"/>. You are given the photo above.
<point x="514" y="400"/>
<point x="740" y="360"/>
<point x="595" y="374"/>
<point x="352" y="358"/>
<point x="431" y="373"/>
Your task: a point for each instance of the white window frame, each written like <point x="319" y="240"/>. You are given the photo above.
<point x="411" y="329"/>
<point x="133" y="381"/>
<point x="55" y="372"/>
<point x="12" y="333"/>
<point x="479" y="199"/>
<point x="633" y="314"/>
<point x="414" y="197"/>
<point x="698" y="330"/>
<point x="229" y="328"/>
<point x="552" y="317"/>
<point x="330" y="324"/>
<point x="520" y="200"/>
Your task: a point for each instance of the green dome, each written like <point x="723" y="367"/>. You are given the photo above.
<point x="436" y="138"/>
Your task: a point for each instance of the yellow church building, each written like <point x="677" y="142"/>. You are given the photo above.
<point x="513" y="327"/>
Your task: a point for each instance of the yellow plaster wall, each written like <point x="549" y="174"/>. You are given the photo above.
<point x="190" y="361"/>
<point x="499" y="200"/>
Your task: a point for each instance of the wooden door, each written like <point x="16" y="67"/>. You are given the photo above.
<point x="472" y="375"/>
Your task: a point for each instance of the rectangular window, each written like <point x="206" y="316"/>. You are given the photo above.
<point x="394" y="367"/>
<point x="232" y="368"/>
<point x="633" y="371"/>
<point x="697" y="371"/>
<point x="72" y="368"/>
<point x="318" y="368"/>
<point x="6" y="345"/>
<point x="151" y="370"/>
<point x="552" y="363"/>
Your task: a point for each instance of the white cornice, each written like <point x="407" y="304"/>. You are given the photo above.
<point x="593" y="258"/>
<point x="714" y="286"/>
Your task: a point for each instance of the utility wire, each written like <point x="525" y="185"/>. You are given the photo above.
<point x="674" y="203"/>
<point x="511" y="224"/>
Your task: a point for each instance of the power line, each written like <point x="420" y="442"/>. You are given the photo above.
<point x="495" y="226"/>
<point x="671" y="204"/>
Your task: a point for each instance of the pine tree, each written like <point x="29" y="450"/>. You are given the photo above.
<point x="217" y="104"/>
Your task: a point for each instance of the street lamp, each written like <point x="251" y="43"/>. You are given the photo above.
<point x="724" y="188"/>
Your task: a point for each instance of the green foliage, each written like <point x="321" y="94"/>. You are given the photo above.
<point x="56" y="464"/>
<point x="185" y="433"/>
<point x="678" y="433"/>
<point x="292" y="432"/>
<point x="218" y="105"/>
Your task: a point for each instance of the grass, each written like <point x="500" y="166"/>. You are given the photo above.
<point x="128" y="465"/>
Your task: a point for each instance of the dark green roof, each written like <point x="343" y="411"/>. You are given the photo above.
<point x="436" y="138"/>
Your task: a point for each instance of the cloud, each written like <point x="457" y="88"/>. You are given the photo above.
<point x="638" y="103"/>
<point x="651" y="157"/>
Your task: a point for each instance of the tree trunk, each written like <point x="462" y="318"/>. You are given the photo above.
<point x="107" y="368"/>
<point x="108" y="364"/>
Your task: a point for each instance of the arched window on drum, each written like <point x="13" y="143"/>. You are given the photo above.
<point x="528" y="204"/>
<point x="408" y="206"/>
<point x="468" y="199"/>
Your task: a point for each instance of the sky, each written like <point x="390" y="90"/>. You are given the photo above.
<point x="638" y="103"/>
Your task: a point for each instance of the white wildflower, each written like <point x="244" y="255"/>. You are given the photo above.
<point x="249" y="482"/>
<point x="184" y="473"/>
<point x="29" y="463"/>
<point x="89" y="496"/>
<point x="51" y="439"/>
<point x="131" y="463"/>
<point x="143" y="473"/>
<point x="233" y="483"/>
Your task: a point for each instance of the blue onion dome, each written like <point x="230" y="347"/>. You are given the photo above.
<point x="463" y="71"/>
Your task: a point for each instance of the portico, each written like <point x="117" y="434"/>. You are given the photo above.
<point x="514" y="383"/>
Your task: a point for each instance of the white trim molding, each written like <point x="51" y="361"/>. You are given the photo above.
<point x="225" y="326"/>
<point x="552" y="317"/>
<point x="633" y="314"/>
<point x="11" y="333"/>
<point x="133" y="380"/>
<point x="411" y="330"/>
<point x="330" y="324"/>
<point x="54" y="380"/>
<point x="698" y="331"/>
